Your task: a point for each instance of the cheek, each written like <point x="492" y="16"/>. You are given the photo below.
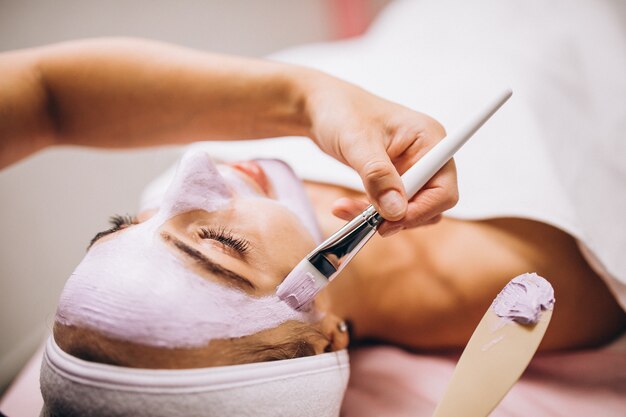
<point x="268" y="213"/>
<point x="278" y="230"/>
<point x="287" y="232"/>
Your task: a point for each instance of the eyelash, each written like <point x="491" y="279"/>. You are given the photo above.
<point x="221" y="234"/>
<point x="225" y="237"/>
<point x="117" y="222"/>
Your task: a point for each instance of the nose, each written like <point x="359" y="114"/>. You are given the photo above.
<point x="196" y="185"/>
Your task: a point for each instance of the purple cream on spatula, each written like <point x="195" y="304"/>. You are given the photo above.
<point x="524" y="298"/>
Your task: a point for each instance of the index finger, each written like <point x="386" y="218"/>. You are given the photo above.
<point x="438" y="195"/>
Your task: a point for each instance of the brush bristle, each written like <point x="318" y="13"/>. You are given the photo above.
<point x="299" y="288"/>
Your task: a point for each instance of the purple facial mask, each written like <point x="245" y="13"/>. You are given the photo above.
<point x="196" y="185"/>
<point x="133" y="288"/>
<point x="524" y="298"/>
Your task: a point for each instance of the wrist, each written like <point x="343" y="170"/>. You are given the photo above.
<point x="310" y="85"/>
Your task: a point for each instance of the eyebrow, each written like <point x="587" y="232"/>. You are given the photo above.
<point x="207" y="263"/>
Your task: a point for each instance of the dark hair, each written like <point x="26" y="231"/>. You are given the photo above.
<point x="299" y="343"/>
<point x="291" y="340"/>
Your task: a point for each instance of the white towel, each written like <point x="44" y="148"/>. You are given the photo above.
<point x="307" y="387"/>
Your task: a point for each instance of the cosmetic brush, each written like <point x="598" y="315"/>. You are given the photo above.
<point x="324" y="263"/>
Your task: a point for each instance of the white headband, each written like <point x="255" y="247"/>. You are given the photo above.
<point x="306" y="387"/>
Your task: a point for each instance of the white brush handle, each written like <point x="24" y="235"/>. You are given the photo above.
<point x="424" y="169"/>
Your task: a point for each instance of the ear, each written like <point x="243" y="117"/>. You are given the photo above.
<point x="336" y="332"/>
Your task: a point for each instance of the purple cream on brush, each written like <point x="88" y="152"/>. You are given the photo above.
<point x="524" y="298"/>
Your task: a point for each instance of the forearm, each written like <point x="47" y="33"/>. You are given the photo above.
<point x="125" y="93"/>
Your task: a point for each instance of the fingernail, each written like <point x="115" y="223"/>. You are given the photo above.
<point x="393" y="203"/>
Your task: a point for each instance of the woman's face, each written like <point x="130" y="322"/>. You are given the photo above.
<point x="205" y="267"/>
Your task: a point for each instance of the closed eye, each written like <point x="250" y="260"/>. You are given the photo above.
<point x="118" y="222"/>
<point x="227" y="238"/>
<point x="208" y="264"/>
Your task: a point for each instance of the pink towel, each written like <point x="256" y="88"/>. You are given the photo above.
<point x="390" y="382"/>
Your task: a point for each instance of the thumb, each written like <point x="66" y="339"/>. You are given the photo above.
<point x="380" y="178"/>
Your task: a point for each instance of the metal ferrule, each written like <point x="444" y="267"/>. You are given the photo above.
<point x="335" y="252"/>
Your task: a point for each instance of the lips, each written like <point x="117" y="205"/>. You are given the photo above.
<point x="254" y="171"/>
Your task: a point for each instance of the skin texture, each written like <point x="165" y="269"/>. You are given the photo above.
<point x="120" y="93"/>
